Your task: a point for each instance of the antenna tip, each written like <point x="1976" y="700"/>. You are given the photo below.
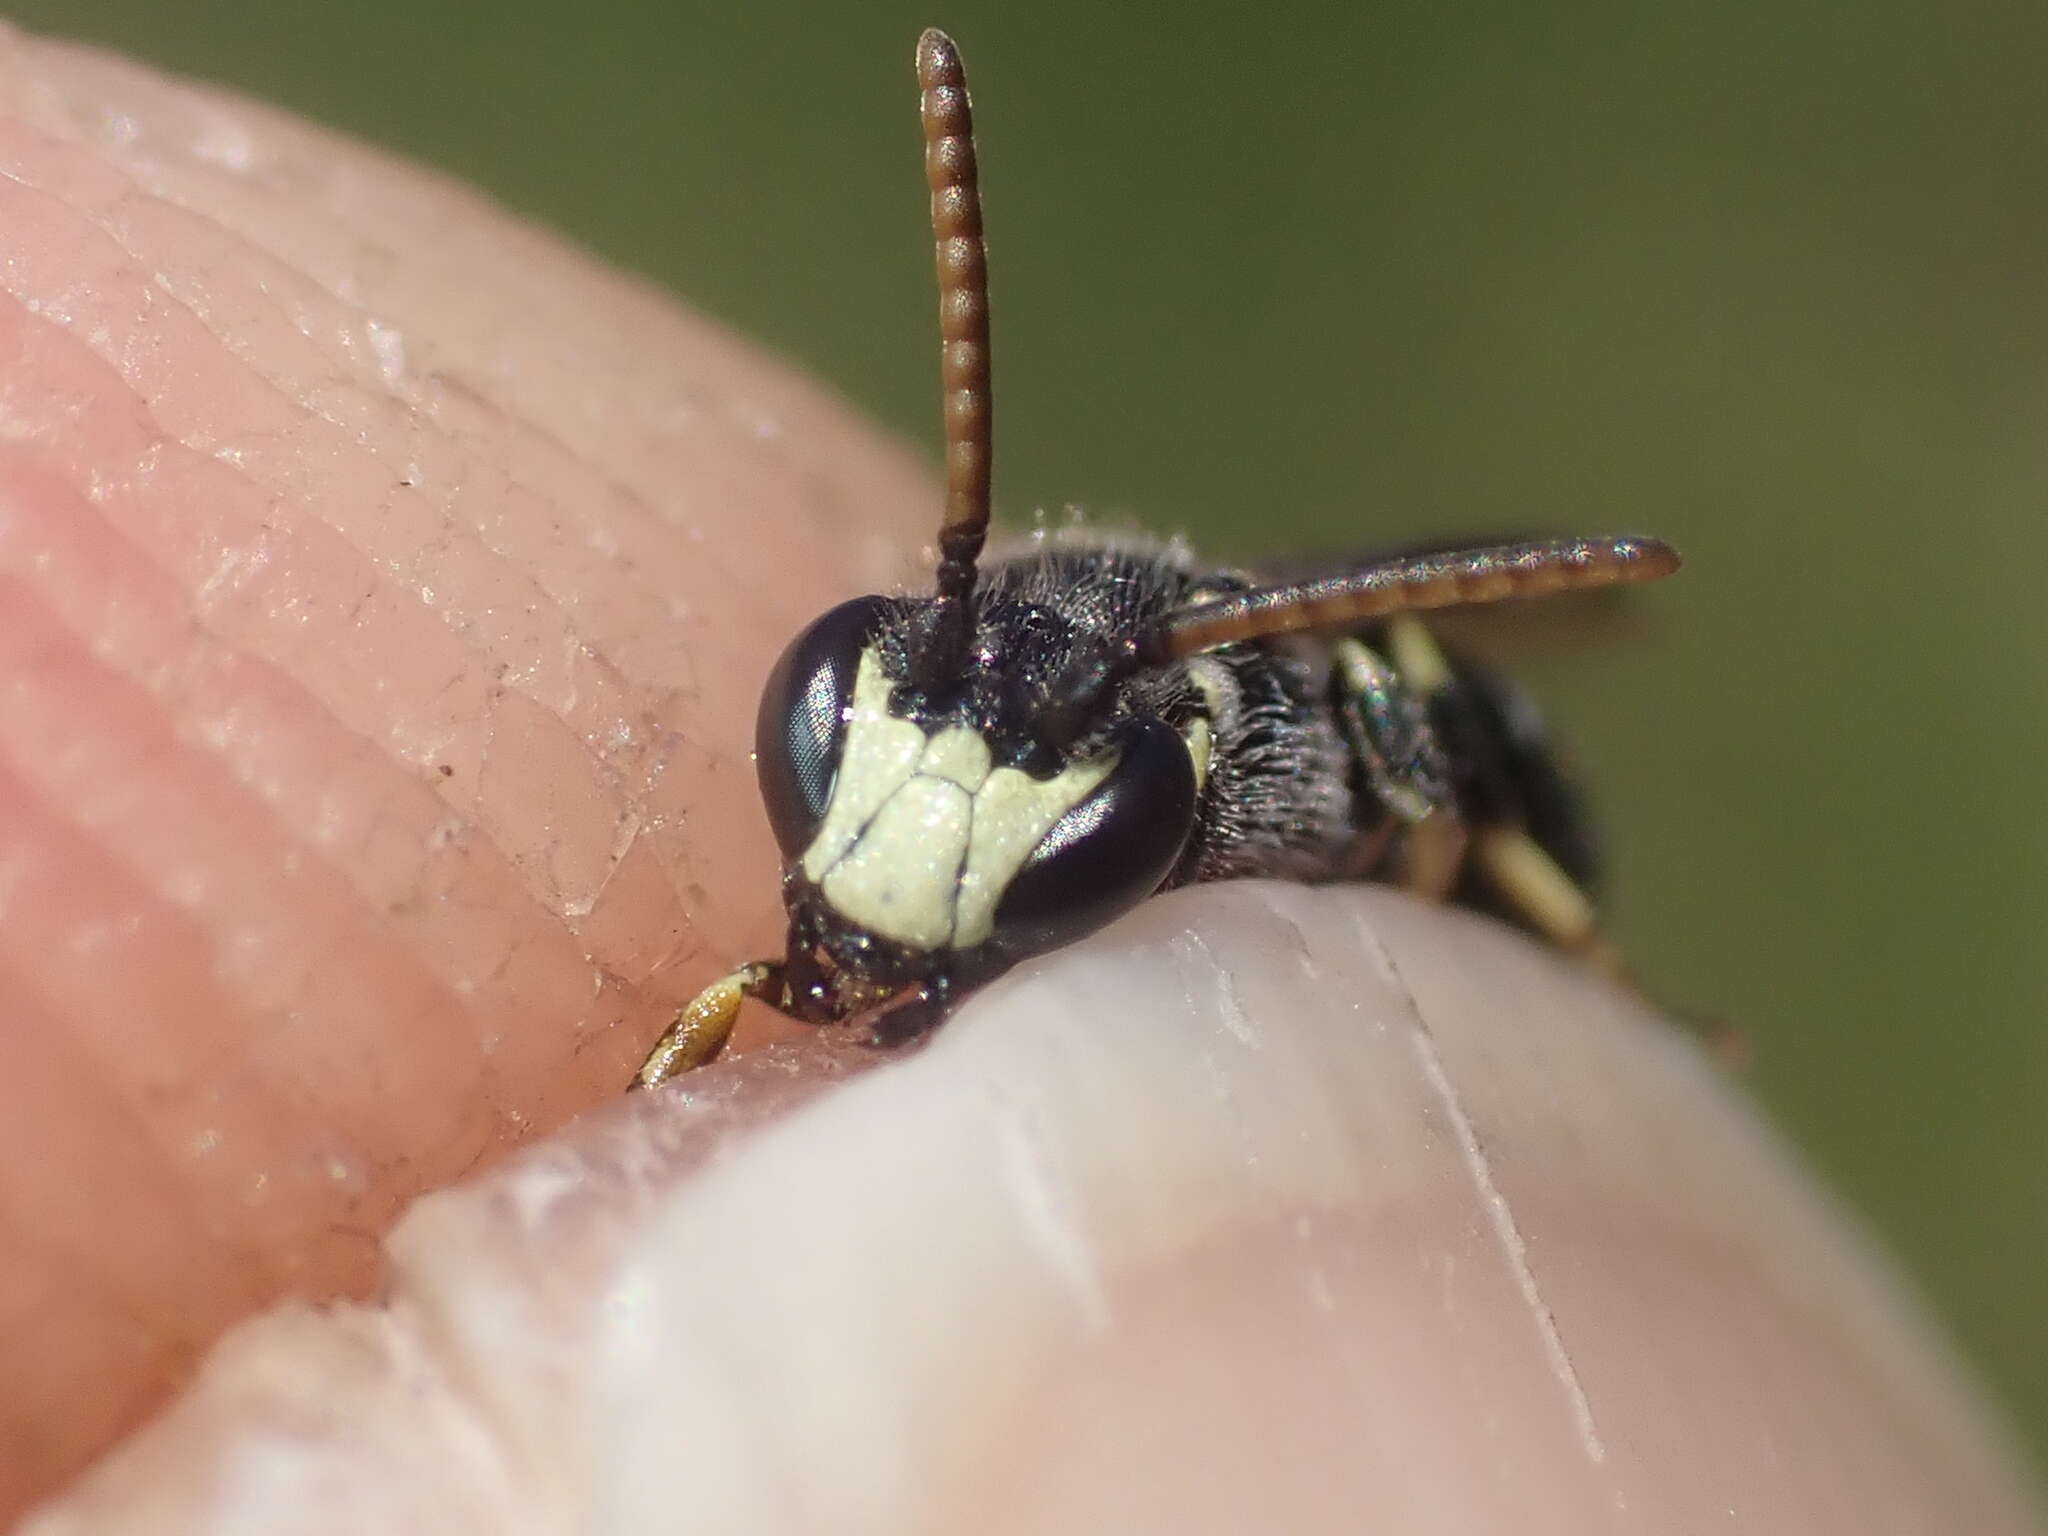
<point x="1646" y="559"/>
<point x="938" y="59"/>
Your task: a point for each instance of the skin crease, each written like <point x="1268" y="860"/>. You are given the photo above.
<point x="380" y="641"/>
<point x="372" y="640"/>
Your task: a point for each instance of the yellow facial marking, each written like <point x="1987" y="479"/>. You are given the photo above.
<point x="923" y="836"/>
<point x="899" y="878"/>
<point x="959" y="756"/>
<point x="876" y="756"/>
<point x="1198" y="738"/>
<point x="1012" y="814"/>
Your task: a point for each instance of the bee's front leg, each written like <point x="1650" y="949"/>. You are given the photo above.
<point x="918" y="1014"/>
<point x="705" y="1023"/>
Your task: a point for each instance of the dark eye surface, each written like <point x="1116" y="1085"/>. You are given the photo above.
<point x="802" y="723"/>
<point x="1110" y="851"/>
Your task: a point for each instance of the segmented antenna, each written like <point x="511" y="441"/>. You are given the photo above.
<point x="1404" y="584"/>
<point x="949" y="169"/>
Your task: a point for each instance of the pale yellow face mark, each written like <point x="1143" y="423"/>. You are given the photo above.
<point x="1198" y="738"/>
<point x="1012" y="814"/>
<point x="957" y="755"/>
<point x="923" y="836"/>
<point x="898" y="879"/>
<point x="877" y="755"/>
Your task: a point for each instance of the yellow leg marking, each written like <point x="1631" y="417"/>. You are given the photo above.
<point x="1363" y="672"/>
<point x="1366" y="677"/>
<point x="702" y="1028"/>
<point x="1416" y="655"/>
<point x="1551" y="902"/>
<point x="1547" y="898"/>
<point x="1432" y="853"/>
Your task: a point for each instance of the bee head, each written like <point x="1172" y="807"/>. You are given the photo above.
<point x="930" y="823"/>
<point x="954" y="780"/>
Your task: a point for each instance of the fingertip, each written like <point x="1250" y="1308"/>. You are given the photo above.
<point x="1266" y="1209"/>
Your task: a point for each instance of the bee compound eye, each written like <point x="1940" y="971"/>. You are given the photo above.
<point x="802" y="724"/>
<point x="1111" y="851"/>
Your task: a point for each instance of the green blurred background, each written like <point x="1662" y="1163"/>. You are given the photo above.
<point x="1765" y="278"/>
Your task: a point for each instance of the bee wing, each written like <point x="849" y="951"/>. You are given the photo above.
<point x="1553" y="628"/>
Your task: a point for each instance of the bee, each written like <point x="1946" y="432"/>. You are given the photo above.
<point x="962" y="780"/>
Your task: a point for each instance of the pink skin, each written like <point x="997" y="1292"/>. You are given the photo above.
<point x="386" y="591"/>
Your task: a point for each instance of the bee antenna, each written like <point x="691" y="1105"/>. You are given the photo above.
<point x="1405" y="584"/>
<point x="962" y="258"/>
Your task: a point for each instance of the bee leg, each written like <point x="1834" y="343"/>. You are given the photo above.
<point x="1521" y="872"/>
<point x="705" y="1022"/>
<point x="1543" y="897"/>
<point x="919" y="1014"/>
<point x="1432" y="856"/>
<point x="1538" y="892"/>
<point x="1385" y="719"/>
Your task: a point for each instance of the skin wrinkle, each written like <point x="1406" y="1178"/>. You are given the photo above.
<point x="142" y="1286"/>
<point x="100" y="557"/>
<point x="212" y="391"/>
<point x="532" y="428"/>
<point x="365" y="1233"/>
<point x="298" y="399"/>
<point x="1500" y="1212"/>
<point x="593" y="735"/>
<point x="267" y="562"/>
<point x="132" y="1161"/>
<point x="103" y="226"/>
<point x="1862" y="1333"/>
<point x="267" y="967"/>
<point x="1514" y="1246"/>
<point x="60" y="878"/>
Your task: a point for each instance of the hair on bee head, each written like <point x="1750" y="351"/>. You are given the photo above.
<point x="968" y="401"/>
